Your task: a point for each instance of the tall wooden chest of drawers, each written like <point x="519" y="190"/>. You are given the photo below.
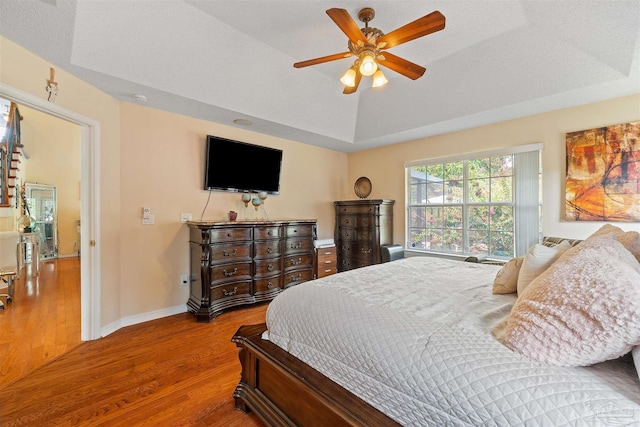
<point x="245" y="262"/>
<point x="362" y="227"/>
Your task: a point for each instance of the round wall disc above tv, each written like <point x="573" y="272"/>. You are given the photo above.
<point x="362" y="187"/>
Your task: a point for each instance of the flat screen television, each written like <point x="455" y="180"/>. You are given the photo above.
<point x="241" y="167"/>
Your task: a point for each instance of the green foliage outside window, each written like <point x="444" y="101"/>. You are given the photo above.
<point x="463" y="207"/>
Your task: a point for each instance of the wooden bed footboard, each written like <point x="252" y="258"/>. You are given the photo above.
<point x="284" y="391"/>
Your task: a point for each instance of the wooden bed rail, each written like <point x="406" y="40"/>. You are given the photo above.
<point x="284" y="391"/>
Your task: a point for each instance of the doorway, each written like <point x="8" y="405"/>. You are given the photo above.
<point x="90" y="196"/>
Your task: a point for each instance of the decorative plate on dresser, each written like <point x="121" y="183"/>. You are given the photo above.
<point x="362" y="187"/>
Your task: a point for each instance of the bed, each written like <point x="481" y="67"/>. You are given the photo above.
<point x="414" y="342"/>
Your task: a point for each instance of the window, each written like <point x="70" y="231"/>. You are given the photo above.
<point x="482" y="206"/>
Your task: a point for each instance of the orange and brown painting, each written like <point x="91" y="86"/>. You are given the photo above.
<point x="603" y="174"/>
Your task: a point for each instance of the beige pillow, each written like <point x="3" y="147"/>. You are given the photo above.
<point x="629" y="239"/>
<point x="506" y="281"/>
<point x="583" y="310"/>
<point x="537" y="260"/>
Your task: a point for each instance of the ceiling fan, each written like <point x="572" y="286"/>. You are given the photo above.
<point x="369" y="46"/>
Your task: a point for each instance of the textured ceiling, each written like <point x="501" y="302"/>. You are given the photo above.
<point x="224" y="60"/>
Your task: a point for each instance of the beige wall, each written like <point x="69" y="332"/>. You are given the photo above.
<point x="385" y="165"/>
<point x="162" y="167"/>
<point x="53" y="146"/>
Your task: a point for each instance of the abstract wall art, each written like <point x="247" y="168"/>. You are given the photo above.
<point x="603" y="174"/>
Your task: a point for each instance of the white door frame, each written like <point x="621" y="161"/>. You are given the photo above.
<point x="89" y="202"/>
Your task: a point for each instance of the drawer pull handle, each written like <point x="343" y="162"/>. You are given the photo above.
<point x="327" y="253"/>
<point x="346" y="234"/>
<point x="269" y="250"/>
<point x="229" y="293"/>
<point x="328" y="262"/>
<point x="365" y="251"/>
<point x="365" y="236"/>
<point x="328" y="271"/>
<point x="270" y="267"/>
<point x="365" y="222"/>
<point x="270" y="285"/>
<point x="296" y="245"/>
<point x="346" y="221"/>
<point x="293" y="278"/>
<point x="294" y="262"/>
<point x="230" y="273"/>
<point x="232" y="253"/>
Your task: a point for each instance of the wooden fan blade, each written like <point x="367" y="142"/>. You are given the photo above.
<point x="402" y="66"/>
<point x="320" y="60"/>
<point x="428" y="24"/>
<point x="347" y="89"/>
<point x="346" y="23"/>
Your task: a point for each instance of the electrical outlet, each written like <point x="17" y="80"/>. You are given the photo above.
<point x="146" y="212"/>
<point x="184" y="279"/>
<point x="184" y="217"/>
<point x="149" y="221"/>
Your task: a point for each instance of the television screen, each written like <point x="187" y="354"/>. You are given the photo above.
<point x="241" y="167"/>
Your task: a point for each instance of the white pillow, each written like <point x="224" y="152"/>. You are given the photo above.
<point x="506" y="281"/>
<point x="629" y="239"/>
<point x="635" y="352"/>
<point x="537" y="260"/>
<point x="583" y="310"/>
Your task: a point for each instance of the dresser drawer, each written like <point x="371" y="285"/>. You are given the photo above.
<point x="367" y="209"/>
<point x="233" y="289"/>
<point x="365" y="234"/>
<point x="299" y="230"/>
<point x="267" y="249"/>
<point x="325" y="254"/>
<point x="346" y="234"/>
<point x="230" y="252"/>
<point x="230" y="272"/>
<point x="297" y="276"/>
<point x="325" y="270"/>
<point x="349" y="263"/>
<point x="267" y="284"/>
<point x="298" y="244"/>
<point x="264" y="233"/>
<point x="356" y="221"/>
<point x="363" y="250"/>
<point x="229" y="234"/>
<point x="297" y="261"/>
<point x="267" y="267"/>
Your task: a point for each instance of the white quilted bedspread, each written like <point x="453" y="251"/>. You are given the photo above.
<point x="413" y="338"/>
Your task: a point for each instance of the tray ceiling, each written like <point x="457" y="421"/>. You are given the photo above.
<point x="227" y="60"/>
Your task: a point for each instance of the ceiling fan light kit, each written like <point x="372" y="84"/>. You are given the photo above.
<point x="368" y="45"/>
<point x="349" y="78"/>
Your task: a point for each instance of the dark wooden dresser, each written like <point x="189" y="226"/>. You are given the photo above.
<point x="362" y="227"/>
<point x="245" y="262"/>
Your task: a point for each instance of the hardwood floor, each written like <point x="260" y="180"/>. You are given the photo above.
<point x="43" y="321"/>
<point x="168" y="372"/>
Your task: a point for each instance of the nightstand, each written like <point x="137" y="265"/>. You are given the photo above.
<point x="326" y="263"/>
